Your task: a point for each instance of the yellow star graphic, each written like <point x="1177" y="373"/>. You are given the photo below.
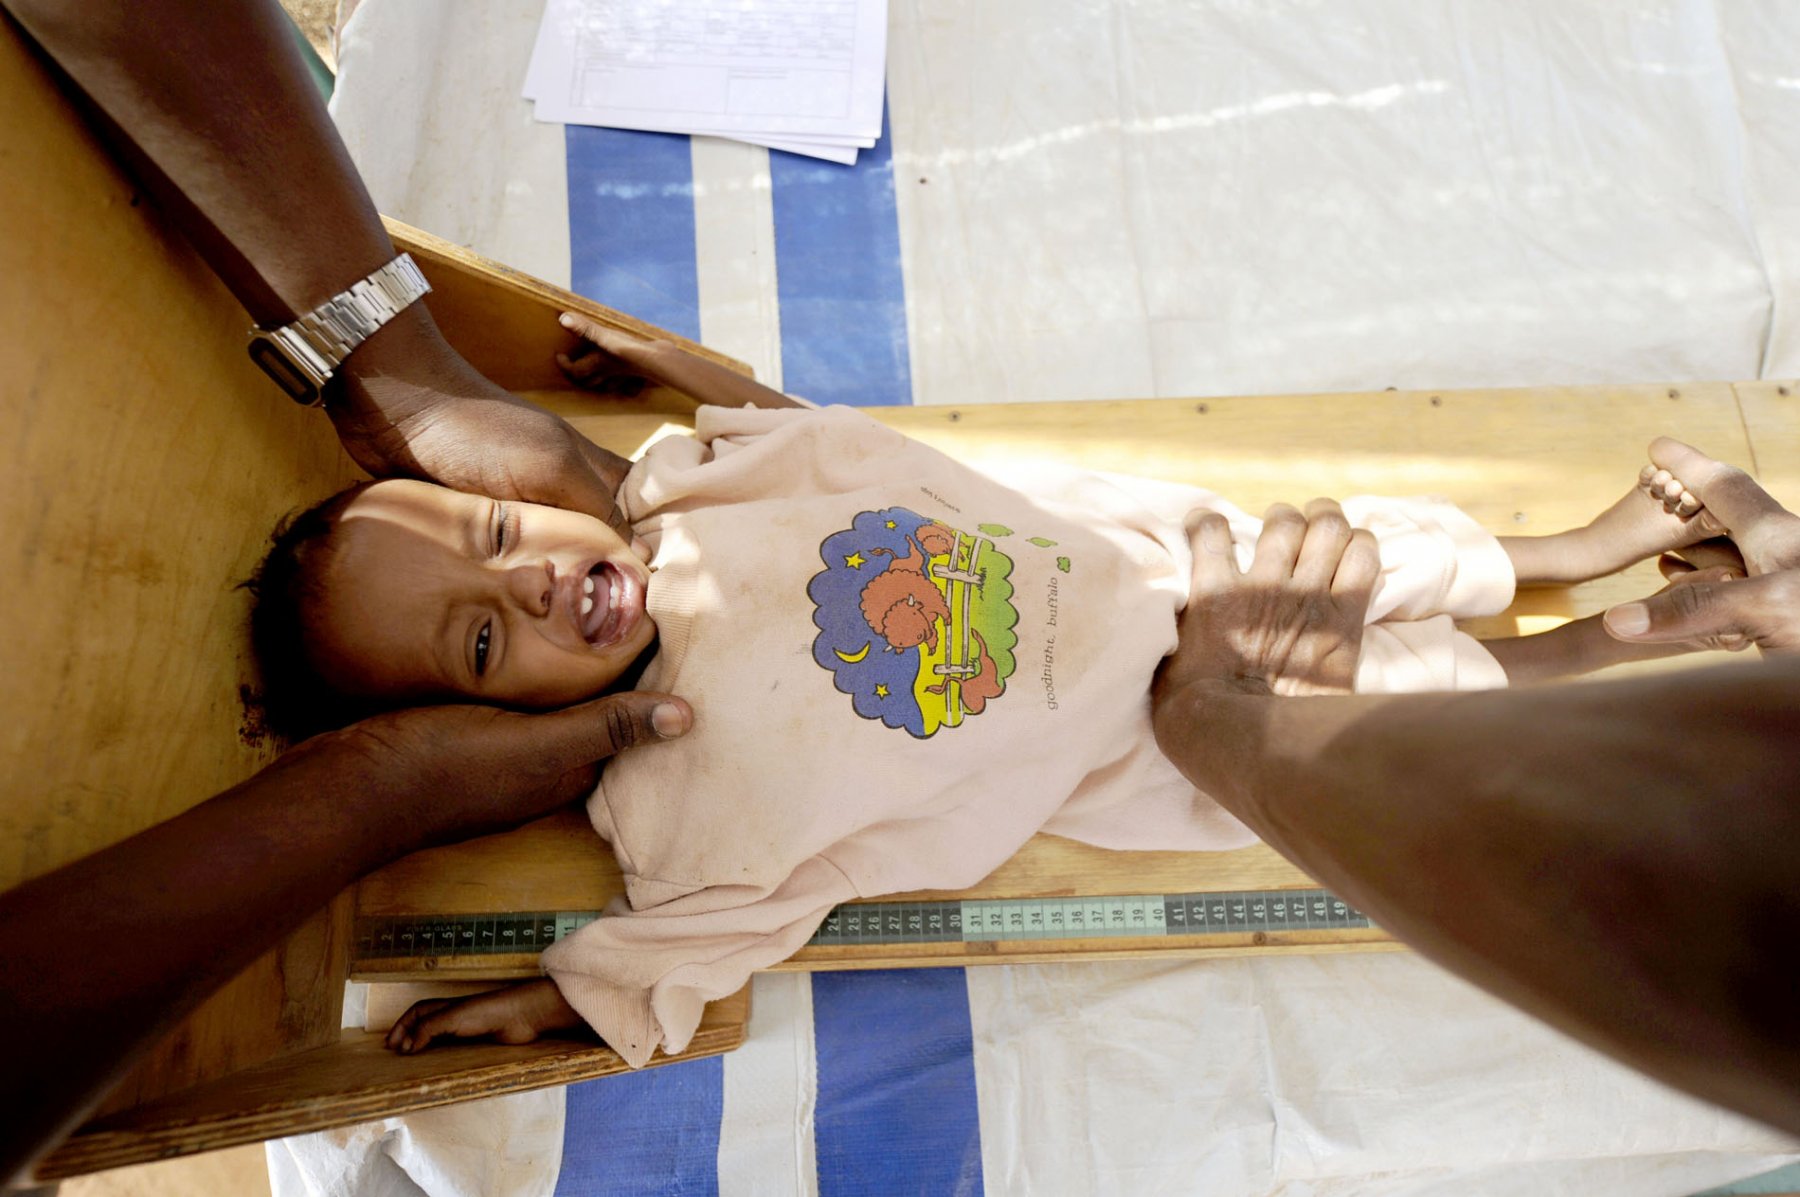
<point x="881" y="691"/>
<point x="892" y="524"/>
<point x="855" y="561"/>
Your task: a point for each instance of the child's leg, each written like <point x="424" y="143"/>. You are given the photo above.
<point x="1577" y="647"/>
<point x="1658" y="515"/>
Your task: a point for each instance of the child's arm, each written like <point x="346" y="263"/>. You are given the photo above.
<point x="605" y="352"/>
<point x="516" y="1014"/>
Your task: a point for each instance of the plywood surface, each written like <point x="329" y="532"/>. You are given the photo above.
<point x="1522" y="462"/>
<point x="353" y="1080"/>
<point x="504" y="321"/>
<point x="145" y="461"/>
<point x="1771" y="412"/>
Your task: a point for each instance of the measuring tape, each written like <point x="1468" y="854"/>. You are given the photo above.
<point x="973" y="921"/>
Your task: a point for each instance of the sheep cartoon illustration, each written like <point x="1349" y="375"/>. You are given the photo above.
<point x="901" y="603"/>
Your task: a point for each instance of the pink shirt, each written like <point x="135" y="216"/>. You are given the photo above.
<point x="902" y="670"/>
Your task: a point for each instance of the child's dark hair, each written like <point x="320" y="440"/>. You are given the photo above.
<point x="296" y="699"/>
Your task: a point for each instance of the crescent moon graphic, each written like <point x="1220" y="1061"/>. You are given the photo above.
<point x="852" y="658"/>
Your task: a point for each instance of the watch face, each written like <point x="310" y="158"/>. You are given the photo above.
<point x="275" y="364"/>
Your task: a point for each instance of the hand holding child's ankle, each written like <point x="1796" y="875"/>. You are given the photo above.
<point x="1718" y="607"/>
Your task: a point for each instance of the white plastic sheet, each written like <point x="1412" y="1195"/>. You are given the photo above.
<point x="1324" y="1076"/>
<point x="505" y="1146"/>
<point x="1135" y="199"/>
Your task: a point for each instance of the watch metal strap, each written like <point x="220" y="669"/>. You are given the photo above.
<point x="351" y="317"/>
<point x="302" y="357"/>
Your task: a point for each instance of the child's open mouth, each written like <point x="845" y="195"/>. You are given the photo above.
<point x="611" y="601"/>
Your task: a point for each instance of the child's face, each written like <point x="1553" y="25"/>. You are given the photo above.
<point x="430" y="593"/>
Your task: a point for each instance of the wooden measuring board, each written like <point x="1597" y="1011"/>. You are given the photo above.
<point x="483" y="910"/>
<point x="873" y="934"/>
<point x="1535" y="460"/>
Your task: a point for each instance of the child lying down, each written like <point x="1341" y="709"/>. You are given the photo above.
<point x="902" y="668"/>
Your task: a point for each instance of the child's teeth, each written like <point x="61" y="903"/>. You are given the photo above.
<point x="587" y="584"/>
<point x="587" y="603"/>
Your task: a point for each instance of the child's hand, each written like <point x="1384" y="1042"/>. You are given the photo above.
<point x="515" y="1014"/>
<point x="607" y="353"/>
<point x="608" y="361"/>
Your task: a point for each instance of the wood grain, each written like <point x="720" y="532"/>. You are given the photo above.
<point x="558" y="863"/>
<point x="504" y="321"/>
<point x="354" y="1080"/>
<point x="291" y="1001"/>
<point x="147" y="460"/>
<point x="1523" y="462"/>
<point x="1771" y="412"/>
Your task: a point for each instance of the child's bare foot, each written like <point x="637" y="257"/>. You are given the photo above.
<point x="1666" y="489"/>
<point x="1657" y="516"/>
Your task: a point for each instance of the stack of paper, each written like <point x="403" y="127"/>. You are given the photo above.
<point x="799" y="75"/>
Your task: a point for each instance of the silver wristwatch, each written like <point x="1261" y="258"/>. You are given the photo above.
<point x="301" y="357"/>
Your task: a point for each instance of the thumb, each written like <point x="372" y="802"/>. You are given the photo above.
<point x="1700" y="605"/>
<point x="575" y="737"/>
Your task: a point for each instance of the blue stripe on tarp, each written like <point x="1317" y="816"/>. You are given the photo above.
<point x="896" y="1100"/>
<point x="654" y="1133"/>
<point x="837" y="271"/>
<point x="631" y="224"/>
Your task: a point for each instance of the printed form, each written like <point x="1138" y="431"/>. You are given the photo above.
<point x="800" y="75"/>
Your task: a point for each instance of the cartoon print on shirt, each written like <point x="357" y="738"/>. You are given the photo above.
<point x="915" y="619"/>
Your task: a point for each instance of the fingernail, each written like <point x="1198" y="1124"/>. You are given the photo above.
<point x="668" y="721"/>
<point x="406" y="1044"/>
<point x="1629" y="619"/>
<point x="566" y="320"/>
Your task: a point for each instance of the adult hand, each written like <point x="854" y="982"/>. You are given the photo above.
<point x="1292" y="624"/>
<point x="412" y="407"/>
<point x="1716" y="605"/>
<point x="450" y="772"/>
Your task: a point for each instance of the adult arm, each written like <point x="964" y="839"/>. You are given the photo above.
<point x="211" y="106"/>
<point x="1615" y="859"/>
<point x="174" y="912"/>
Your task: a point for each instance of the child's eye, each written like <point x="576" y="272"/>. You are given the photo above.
<point x="499" y="528"/>
<point x="481" y="648"/>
